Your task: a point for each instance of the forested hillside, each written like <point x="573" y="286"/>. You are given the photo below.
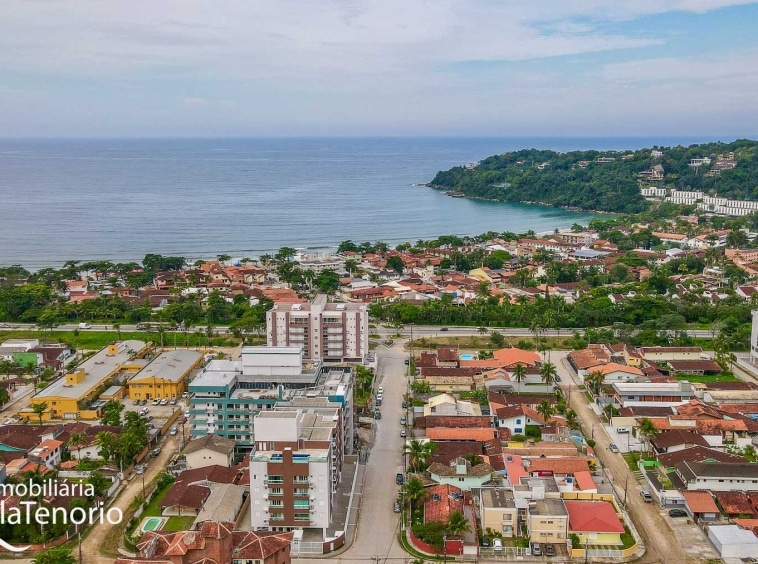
<point x="578" y="179"/>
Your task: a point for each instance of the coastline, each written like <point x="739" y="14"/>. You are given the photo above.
<point x="455" y="194"/>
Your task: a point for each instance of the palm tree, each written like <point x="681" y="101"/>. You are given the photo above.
<point x="76" y="441"/>
<point x="419" y="453"/>
<point x="6" y="366"/>
<point x="457" y="523"/>
<point x="415" y="491"/>
<point x="117" y="328"/>
<point x="546" y="409"/>
<point x="647" y="431"/>
<point x="548" y="372"/>
<point x="519" y="373"/>
<point x="594" y="381"/>
<point x="39" y="409"/>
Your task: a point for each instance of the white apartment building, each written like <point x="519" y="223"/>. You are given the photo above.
<point x="294" y="471"/>
<point x="332" y="332"/>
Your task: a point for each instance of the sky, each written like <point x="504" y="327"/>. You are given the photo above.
<point x="163" y="68"/>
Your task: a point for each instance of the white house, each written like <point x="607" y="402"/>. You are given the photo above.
<point x="725" y="477"/>
<point x="210" y="450"/>
<point x="461" y="474"/>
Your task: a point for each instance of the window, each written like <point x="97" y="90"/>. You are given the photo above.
<point x="277" y="517"/>
<point x="275" y="491"/>
<point x="302" y="517"/>
<point x="518" y="421"/>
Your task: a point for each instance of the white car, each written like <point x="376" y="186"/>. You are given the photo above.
<point x="173" y="431"/>
<point x="380" y="391"/>
<point x="164" y="401"/>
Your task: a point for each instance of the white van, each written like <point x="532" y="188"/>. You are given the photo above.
<point x="497" y="545"/>
<point x="85" y="326"/>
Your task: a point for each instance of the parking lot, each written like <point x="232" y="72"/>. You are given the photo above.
<point x="157" y="415"/>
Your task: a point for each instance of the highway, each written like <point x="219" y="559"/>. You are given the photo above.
<point x="380" y="331"/>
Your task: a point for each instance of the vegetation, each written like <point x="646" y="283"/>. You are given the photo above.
<point x="610" y="186"/>
<point x="58" y="555"/>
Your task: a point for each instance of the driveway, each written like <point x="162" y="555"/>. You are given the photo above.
<point x="652" y="527"/>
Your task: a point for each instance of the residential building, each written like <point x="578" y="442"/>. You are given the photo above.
<point x="216" y="542"/>
<point x="69" y="397"/>
<point x="665" y="354"/>
<point x="547" y="521"/>
<point x="594" y="522"/>
<point x="497" y="510"/>
<point x="226" y="395"/>
<point x="47" y="453"/>
<point x="332" y="332"/>
<point x="652" y="393"/>
<point x="326" y="261"/>
<point x="166" y="376"/>
<point x="718" y="477"/>
<point x="209" y="450"/>
<point x="294" y="471"/>
<point x="461" y="473"/>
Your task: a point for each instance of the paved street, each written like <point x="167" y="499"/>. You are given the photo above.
<point x="378" y="525"/>
<point x="658" y="536"/>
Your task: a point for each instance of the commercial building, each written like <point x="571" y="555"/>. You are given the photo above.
<point x="332" y="332"/>
<point x="226" y="395"/>
<point x="70" y="397"/>
<point x="295" y="470"/>
<point x="165" y="377"/>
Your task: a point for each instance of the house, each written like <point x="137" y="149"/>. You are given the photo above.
<point x="497" y="510"/>
<point x="594" y="522"/>
<point x="562" y="467"/>
<point x="659" y="394"/>
<point x="443" y="499"/>
<point x="209" y="450"/>
<point x="735" y="504"/>
<point x="614" y="372"/>
<point x="666" y="354"/>
<point x="47" y="453"/>
<point x="696" y="454"/>
<point x="517" y="417"/>
<point x="676" y="440"/>
<point x="460" y="473"/>
<point x="718" y="477"/>
<point x="192" y="488"/>
<point x="223" y="504"/>
<point x="701" y="505"/>
<point x="216" y="542"/>
<point x="547" y="521"/>
<point x="445" y="404"/>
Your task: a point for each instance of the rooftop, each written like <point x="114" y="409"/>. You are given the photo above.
<point x="548" y="506"/>
<point x="170" y="366"/>
<point x="593" y="517"/>
<point x="97" y="368"/>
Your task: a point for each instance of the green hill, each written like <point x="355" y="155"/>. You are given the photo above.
<point x="577" y="179"/>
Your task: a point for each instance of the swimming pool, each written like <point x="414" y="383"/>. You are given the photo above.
<point x="466" y="356"/>
<point x="153" y="524"/>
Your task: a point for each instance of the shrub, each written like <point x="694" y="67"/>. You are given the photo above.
<point x="518" y="438"/>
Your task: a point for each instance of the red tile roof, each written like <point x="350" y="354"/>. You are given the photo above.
<point x="563" y="465"/>
<point x="445" y="504"/>
<point x="464" y="434"/>
<point x="700" y="502"/>
<point x="734" y="503"/>
<point x="592" y="517"/>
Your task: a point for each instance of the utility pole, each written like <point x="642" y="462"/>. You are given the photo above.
<point x="79" y="540"/>
<point x="626" y="481"/>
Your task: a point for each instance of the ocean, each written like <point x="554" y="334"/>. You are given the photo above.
<point x="119" y="199"/>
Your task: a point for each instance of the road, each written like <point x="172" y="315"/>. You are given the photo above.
<point x="378" y="525"/>
<point x="95" y="539"/>
<point x="653" y="529"/>
<point x="381" y="331"/>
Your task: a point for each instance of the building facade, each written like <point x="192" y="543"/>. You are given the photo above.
<point x="332" y="332"/>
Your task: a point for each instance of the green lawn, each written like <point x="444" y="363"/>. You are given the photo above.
<point x="723" y="377"/>
<point x="178" y="523"/>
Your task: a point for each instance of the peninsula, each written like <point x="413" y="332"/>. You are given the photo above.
<point x="611" y="181"/>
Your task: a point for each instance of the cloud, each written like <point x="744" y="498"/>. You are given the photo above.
<point x="194" y="102"/>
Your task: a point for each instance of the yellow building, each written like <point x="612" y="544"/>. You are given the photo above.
<point x="165" y="377"/>
<point x="70" y="396"/>
<point x="547" y="521"/>
<point x="594" y="522"/>
<point x="498" y="511"/>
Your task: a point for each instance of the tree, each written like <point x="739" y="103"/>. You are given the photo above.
<point x="39" y="409"/>
<point x="546" y="409"/>
<point x="76" y="441"/>
<point x="457" y="523"/>
<point x="59" y="555"/>
<point x="419" y="452"/>
<point x="112" y="413"/>
<point x="594" y="381"/>
<point x="6" y="366"/>
<point x="415" y="490"/>
<point x="647" y="431"/>
<point x="572" y="419"/>
<point x="395" y="263"/>
<point x="519" y="373"/>
<point x="328" y="281"/>
<point x="4" y="397"/>
<point x="497" y="339"/>
<point x="548" y="372"/>
<point x="108" y="445"/>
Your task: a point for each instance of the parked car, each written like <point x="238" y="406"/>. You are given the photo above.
<point x="444" y="329"/>
<point x="557" y="378"/>
<point x="399" y="479"/>
<point x="139" y="469"/>
<point x="173" y="431"/>
<point x="173" y="401"/>
<point x="485" y="542"/>
<point x="549" y="550"/>
<point x="497" y="545"/>
<point x="677" y="513"/>
<point x="185" y="394"/>
<point x="155" y="452"/>
<point x="536" y="549"/>
<point x="397" y="507"/>
<point x="135" y="402"/>
<point x="407" y="361"/>
<point x="403" y="433"/>
<point x="156" y="401"/>
<point x="646" y="496"/>
<point x="5" y="326"/>
<point x="403" y="420"/>
<point x="377" y="414"/>
<point x="613" y="448"/>
<point x="622" y="430"/>
<point x="149" y="417"/>
<point x="164" y="401"/>
<point x="144" y="410"/>
<point x="404" y="405"/>
<point x="380" y="391"/>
